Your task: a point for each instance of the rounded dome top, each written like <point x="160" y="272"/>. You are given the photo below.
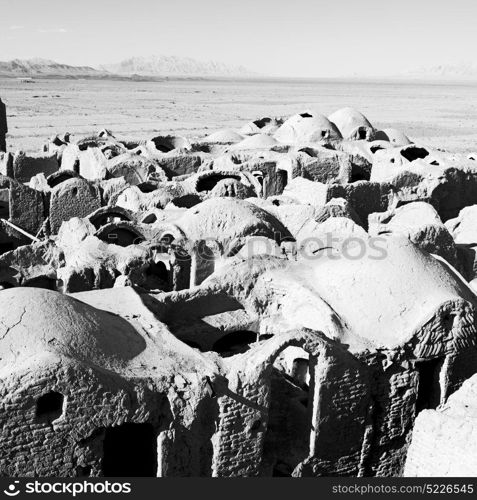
<point x="352" y="124"/>
<point x="307" y="127"/>
<point x="224" y="136"/>
<point x="228" y="221"/>
<point x="35" y="320"/>
<point x="231" y="188"/>
<point x="258" y="141"/>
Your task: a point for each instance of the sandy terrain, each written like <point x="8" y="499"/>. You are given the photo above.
<point x="441" y="115"/>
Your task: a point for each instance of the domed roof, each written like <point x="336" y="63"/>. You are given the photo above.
<point x="35" y="320"/>
<point x="231" y="188"/>
<point x="258" y="141"/>
<point x="93" y="330"/>
<point x="265" y="125"/>
<point x="224" y="136"/>
<point x="134" y="168"/>
<point x="229" y="221"/>
<point x="394" y="136"/>
<point x="307" y="127"/>
<point x="371" y="294"/>
<point x="352" y="124"/>
<point x="413" y="283"/>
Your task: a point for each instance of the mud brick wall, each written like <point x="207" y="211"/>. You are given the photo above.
<point x="341" y="402"/>
<point x="25" y="167"/>
<point x="238" y="443"/>
<point x="394" y="400"/>
<point x="180" y="164"/>
<point x="72" y="198"/>
<point x="326" y="166"/>
<point x="27" y="208"/>
<point x="73" y="444"/>
<point x="365" y="197"/>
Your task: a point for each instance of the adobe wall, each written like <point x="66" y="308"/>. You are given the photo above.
<point x="71" y="445"/>
<point x="72" y="198"/>
<point x="25" y="167"/>
<point x="27" y="208"/>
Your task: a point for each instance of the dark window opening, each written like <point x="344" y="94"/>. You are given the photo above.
<point x="262" y="122"/>
<point x="308" y="151"/>
<point x="4" y="210"/>
<point x="130" y="450"/>
<point x="187" y="201"/>
<point x="149" y="219"/>
<point x="204" y="148"/>
<point x="209" y="182"/>
<point x="235" y="343"/>
<point x="362" y="135"/>
<point x="429" y="387"/>
<point x="49" y="407"/>
<point x="90" y="143"/>
<point x="375" y="148"/>
<point x="159" y="270"/>
<point x="324" y="134"/>
<point x="122" y="237"/>
<point x="130" y="144"/>
<point x="54" y="180"/>
<point x="414" y="153"/>
<point x="163" y="145"/>
<point x="167" y="239"/>
<point x="282" y="180"/>
<point x="256" y="425"/>
<point x="147" y="187"/>
<point x="259" y="176"/>
<point x="265" y="336"/>
<point x="306" y="115"/>
<point x="360" y="173"/>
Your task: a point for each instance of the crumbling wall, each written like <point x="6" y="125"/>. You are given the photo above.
<point x="72" y="198"/>
<point x="27" y="210"/>
<point x="27" y="166"/>
<point x="72" y="443"/>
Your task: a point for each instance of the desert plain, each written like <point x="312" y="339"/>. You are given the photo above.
<point x="436" y="114"/>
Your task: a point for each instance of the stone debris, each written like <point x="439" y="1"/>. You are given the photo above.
<point x="293" y="298"/>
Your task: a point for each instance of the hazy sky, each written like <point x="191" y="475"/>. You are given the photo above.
<point x="278" y="37"/>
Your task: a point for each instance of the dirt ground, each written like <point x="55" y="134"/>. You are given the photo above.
<point x="436" y="114"/>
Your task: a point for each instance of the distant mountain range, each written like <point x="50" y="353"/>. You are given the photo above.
<point x="159" y="67"/>
<point x="174" y="66"/>
<point x="45" y="67"/>
<point x="135" y="67"/>
<point x="459" y="71"/>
